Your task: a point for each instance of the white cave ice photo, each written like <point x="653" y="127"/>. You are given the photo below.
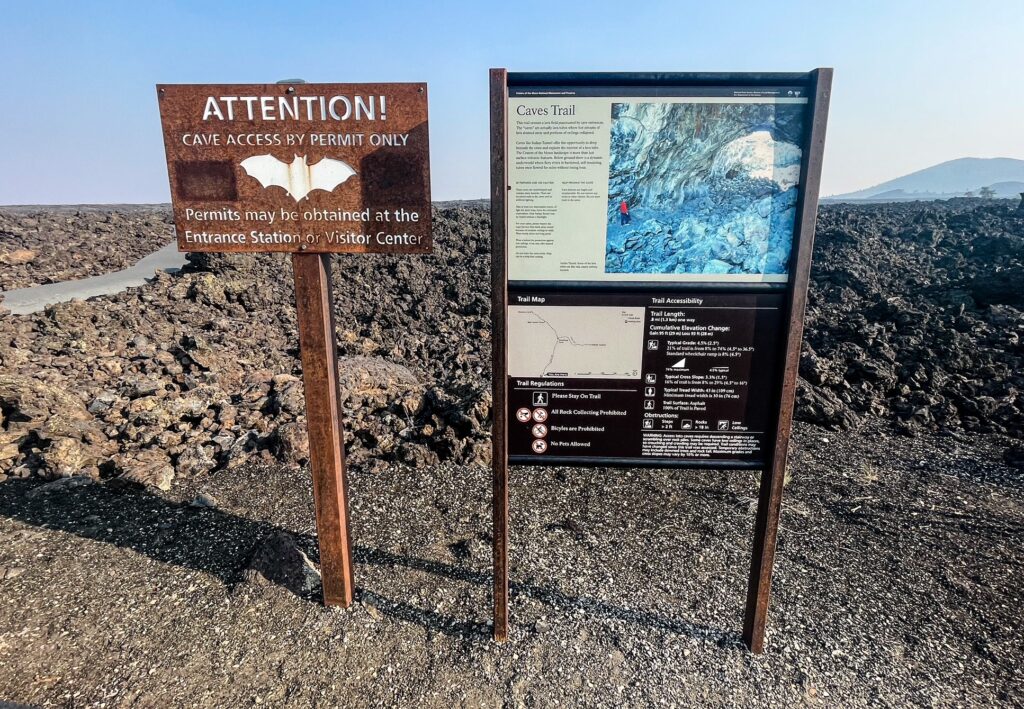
<point x="703" y="188"/>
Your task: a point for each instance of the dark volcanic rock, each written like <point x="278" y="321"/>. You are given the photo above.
<point x="199" y="371"/>
<point x="912" y="318"/>
<point x="914" y="315"/>
<point x="279" y="560"/>
<point x="59" y="485"/>
<point x="819" y="405"/>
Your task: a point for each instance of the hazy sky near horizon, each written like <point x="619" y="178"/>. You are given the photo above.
<point x="916" y="83"/>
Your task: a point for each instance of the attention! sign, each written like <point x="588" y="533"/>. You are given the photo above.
<point x="298" y="167"/>
<point x="309" y="169"/>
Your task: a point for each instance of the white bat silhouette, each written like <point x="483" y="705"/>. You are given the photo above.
<point x="298" y="178"/>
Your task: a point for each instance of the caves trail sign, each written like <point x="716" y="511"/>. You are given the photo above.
<point x="651" y="246"/>
<point x="309" y="169"/>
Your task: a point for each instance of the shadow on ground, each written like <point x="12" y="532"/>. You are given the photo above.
<point x="219" y="543"/>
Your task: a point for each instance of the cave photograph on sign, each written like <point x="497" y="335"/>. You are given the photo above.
<point x="703" y="188"/>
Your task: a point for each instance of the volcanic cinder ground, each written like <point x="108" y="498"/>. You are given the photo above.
<point x="152" y="456"/>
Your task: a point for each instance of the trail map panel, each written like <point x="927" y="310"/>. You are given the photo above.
<point x="650" y="232"/>
<point x="305" y="167"/>
<point x="576" y="342"/>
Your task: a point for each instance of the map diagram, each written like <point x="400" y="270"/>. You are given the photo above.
<point x="575" y="342"/>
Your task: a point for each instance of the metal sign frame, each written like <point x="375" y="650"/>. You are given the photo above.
<point x="818" y="87"/>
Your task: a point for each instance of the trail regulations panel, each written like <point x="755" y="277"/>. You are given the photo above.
<point x="303" y="167"/>
<point x="649" y="378"/>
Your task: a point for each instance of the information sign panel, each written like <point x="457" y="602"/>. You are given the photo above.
<point x="654" y="184"/>
<point x="651" y="239"/>
<point x="310" y="169"/>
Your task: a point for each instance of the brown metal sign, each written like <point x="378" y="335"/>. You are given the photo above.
<point x="312" y="168"/>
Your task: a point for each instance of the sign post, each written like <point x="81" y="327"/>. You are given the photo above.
<point x="315" y="309"/>
<point x="499" y="302"/>
<point x="651" y="239"/>
<point x="769" y="503"/>
<point x="308" y="169"/>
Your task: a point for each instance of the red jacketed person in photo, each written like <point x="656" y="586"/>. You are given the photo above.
<point x="624" y="217"/>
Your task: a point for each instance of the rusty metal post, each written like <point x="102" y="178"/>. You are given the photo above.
<point x="314" y="306"/>
<point x="499" y="365"/>
<point x="769" y="503"/>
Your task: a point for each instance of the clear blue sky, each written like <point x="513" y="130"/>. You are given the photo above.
<point x="916" y="82"/>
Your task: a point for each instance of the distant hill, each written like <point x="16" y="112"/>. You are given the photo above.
<point x="948" y="179"/>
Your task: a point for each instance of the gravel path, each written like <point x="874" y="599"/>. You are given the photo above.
<point x="36" y="241"/>
<point x="24" y="301"/>
<point x="898" y="583"/>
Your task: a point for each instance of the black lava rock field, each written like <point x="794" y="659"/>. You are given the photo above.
<point x="157" y="536"/>
<point x="915" y="316"/>
<point x="53" y="244"/>
<point x="914" y="319"/>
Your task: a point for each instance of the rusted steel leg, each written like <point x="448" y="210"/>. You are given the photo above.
<point x="500" y="552"/>
<point x="766" y="527"/>
<point x="499" y="302"/>
<point x="769" y="501"/>
<point x="313" y="301"/>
